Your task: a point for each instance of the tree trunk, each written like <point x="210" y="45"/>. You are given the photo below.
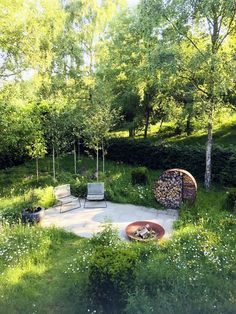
<point x="131" y="132"/>
<point x="53" y="163"/>
<point x="37" y="169"/>
<point x="75" y="159"/>
<point x="78" y="143"/>
<point x="188" y="125"/>
<point x="103" y="158"/>
<point x="208" y="152"/>
<point x="159" y="130"/>
<point x="57" y="159"/>
<point x="97" y="165"/>
<point x="147" y="119"/>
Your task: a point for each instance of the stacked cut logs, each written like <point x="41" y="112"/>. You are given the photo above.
<point x="168" y="189"/>
<point x="175" y="186"/>
<point x="189" y="188"/>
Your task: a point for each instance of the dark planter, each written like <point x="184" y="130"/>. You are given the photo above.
<point x="33" y="217"/>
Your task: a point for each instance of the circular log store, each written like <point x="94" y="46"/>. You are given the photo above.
<point x="175" y="186"/>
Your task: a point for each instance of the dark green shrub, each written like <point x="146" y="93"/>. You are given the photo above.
<point x="110" y="271"/>
<point x="139" y="175"/>
<point x="12" y="158"/>
<point x="79" y="189"/>
<point x="64" y="177"/>
<point x="111" y="275"/>
<point x="165" y="156"/>
<point x="228" y="174"/>
<point x="230" y="202"/>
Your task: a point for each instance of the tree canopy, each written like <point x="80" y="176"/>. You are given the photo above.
<point x="69" y="68"/>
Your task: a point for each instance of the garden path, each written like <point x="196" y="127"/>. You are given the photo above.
<point x="87" y="221"/>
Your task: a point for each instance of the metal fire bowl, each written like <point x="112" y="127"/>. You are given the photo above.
<point x="131" y="228"/>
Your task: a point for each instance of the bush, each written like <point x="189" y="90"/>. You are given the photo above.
<point x="110" y="271"/>
<point x="166" y="156"/>
<point x="103" y="272"/>
<point x="79" y="189"/>
<point x="139" y="175"/>
<point x="111" y="276"/>
<point x="228" y="175"/>
<point x="230" y="202"/>
<point x="12" y="158"/>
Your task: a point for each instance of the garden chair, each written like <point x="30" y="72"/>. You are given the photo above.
<point x="63" y="196"/>
<point x="95" y="192"/>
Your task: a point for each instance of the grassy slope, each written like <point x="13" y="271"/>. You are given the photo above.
<point x="224" y="133"/>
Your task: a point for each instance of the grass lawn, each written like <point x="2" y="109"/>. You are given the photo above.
<point x="51" y="271"/>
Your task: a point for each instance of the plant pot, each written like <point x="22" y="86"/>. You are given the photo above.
<point x="33" y="217"/>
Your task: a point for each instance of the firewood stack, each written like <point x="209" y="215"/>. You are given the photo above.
<point x="175" y="186"/>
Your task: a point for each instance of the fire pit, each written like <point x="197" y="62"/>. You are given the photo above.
<point x="144" y="231"/>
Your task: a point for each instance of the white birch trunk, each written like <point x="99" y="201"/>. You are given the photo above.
<point x="53" y="163"/>
<point x="103" y="158"/>
<point x="209" y="153"/>
<point x="78" y="150"/>
<point x="97" y="163"/>
<point x="37" y="169"/>
<point x="75" y="159"/>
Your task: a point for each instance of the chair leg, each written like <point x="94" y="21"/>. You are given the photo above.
<point x="70" y="208"/>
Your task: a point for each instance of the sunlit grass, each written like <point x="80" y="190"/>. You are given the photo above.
<point x="224" y="132"/>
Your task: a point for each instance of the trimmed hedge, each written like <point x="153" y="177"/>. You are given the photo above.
<point x="166" y="156"/>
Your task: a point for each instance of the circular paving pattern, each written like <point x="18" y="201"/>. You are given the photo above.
<point x="132" y="228"/>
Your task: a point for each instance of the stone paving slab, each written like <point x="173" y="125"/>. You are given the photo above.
<point x="87" y="221"/>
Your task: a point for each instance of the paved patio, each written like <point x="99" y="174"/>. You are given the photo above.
<point x="87" y="221"/>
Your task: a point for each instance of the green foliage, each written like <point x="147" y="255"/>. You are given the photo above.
<point x="139" y="175"/>
<point x="228" y="174"/>
<point x="111" y="275"/>
<point x="164" y="156"/>
<point x="79" y="188"/>
<point x="28" y="256"/>
<point x="230" y="201"/>
<point x="11" y="208"/>
<point x="20" y="243"/>
<point x="107" y="237"/>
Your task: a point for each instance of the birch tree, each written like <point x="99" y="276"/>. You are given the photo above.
<point x="200" y="32"/>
